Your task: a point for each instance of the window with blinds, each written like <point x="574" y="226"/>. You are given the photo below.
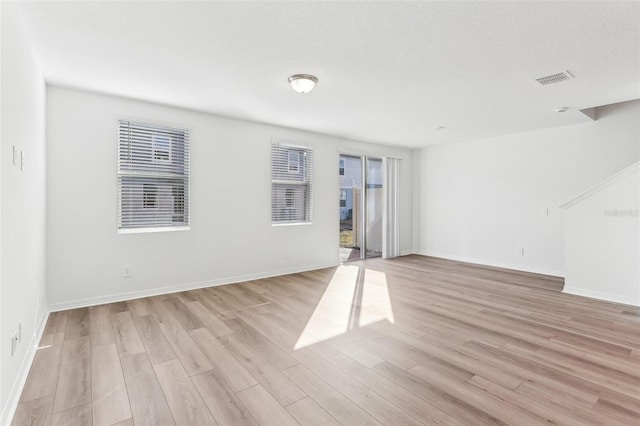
<point x="153" y="176"/>
<point x="291" y="184"/>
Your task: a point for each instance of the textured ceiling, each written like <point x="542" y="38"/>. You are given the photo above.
<point x="390" y="72"/>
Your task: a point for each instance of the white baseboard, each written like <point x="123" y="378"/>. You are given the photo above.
<point x="523" y="268"/>
<point x="119" y="297"/>
<point x="13" y="399"/>
<point x="600" y="295"/>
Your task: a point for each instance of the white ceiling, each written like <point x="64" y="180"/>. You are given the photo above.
<point x="389" y="72"/>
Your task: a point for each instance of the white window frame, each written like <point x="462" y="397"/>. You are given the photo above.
<point x="289" y="173"/>
<point x="139" y="138"/>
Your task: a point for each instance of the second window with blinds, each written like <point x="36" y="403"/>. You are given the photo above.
<point x="291" y="184"/>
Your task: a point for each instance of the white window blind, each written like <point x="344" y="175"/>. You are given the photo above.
<point x="291" y="184"/>
<point x="153" y="176"/>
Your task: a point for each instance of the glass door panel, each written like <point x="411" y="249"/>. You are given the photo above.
<point x="350" y="171"/>
<point x="373" y="207"/>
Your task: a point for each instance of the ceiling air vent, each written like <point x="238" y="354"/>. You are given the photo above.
<point x="554" y="78"/>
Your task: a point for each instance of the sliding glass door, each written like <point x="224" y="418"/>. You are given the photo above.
<point x="361" y="206"/>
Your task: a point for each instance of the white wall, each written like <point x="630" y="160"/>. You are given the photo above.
<point x="231" y="236"/>
<point x="22" y="211"/>
<point x="602" y="250"/>
<point x="481" y="201"/>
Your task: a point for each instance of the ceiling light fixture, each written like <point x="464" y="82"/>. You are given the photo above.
<point x="303" y="83"/>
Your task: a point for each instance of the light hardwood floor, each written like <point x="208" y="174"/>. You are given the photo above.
<point x="413" y="340"/>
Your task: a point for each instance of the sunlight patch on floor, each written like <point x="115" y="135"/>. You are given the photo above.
<point x="355" y="297"/>
<point x="376" y="304"/>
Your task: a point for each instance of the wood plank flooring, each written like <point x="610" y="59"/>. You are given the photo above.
<point x="408" y="341"/>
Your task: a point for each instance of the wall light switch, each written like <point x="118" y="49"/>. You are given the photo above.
<point x="15" y="155"/>
<point x="22" y="160"/>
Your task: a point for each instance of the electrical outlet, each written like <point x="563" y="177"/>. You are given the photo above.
<point x="521" y="251"/>
<point x="126" y="271"/>
<point x="15" y="155"/>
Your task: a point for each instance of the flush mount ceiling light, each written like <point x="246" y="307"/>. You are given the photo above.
<point x="303" y="83"/>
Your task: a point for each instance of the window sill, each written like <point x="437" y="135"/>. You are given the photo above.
<point x="156" y="229"/>
<point x="291" y="223"/>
